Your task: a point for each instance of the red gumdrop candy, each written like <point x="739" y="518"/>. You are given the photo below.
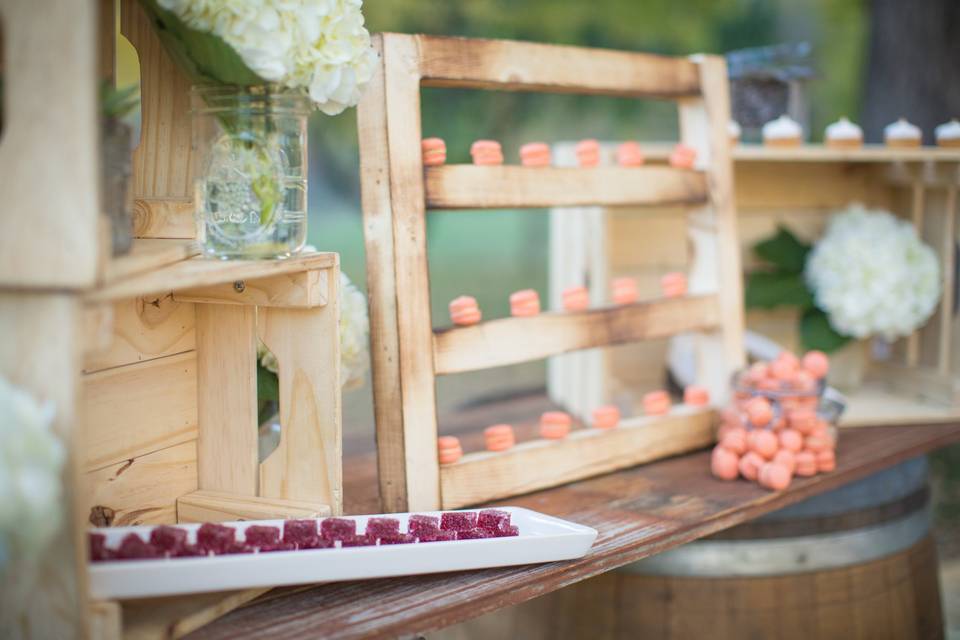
<point x="400" y="538"/>
<point x="133" y="547"/>
<point x="383" y="527"/>
<point x="421" y="524"/>
<point x="337" y="528"/>
<point x="98" y="547"/>
<point x="259" y="535"/>
<point x="509" y="531"/>
<point x="168" y="538"/>
<point x="440" y="535"/>
<point x="277" y="546"/>
<point x="190" y="551"/>
<point x="473" y="534"/>
<point x="358" y="541"/>
<point x="300" y="532"/>
<point x="493" y="519"/>
<point x="215" y="537"/>
<point x="458" y="520"/>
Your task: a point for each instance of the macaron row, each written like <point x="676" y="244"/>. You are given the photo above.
<point x="538" y="154"/>
<point x="465" y="311"/>
<point x="556" y="425"/>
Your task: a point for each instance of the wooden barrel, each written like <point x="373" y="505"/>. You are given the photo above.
<point x="858" y="562"/>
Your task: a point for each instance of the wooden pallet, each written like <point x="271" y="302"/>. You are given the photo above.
<point x="150" y="358"/>
<point x="397" y="193"/>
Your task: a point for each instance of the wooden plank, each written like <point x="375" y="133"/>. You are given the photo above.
<point x="200" y="272"/>
<point x="512" y="340"/>
<point x="215" y="506"/>
<point x="821" y="153"/>
<point x="506" y="65"/>
<point x="529" y="466"/>
<point x="40" y="353"/>
<point x="143" y="490"/>
<point x="917" y="209"/>
<point x="148" y="254"/>
<point x="303" y="289"/>
<point x="164" y="218"/>
<point x="638" y="512"/>
<point x="467" y="186"/>
<point x="105" y="619"/>
<point x="50" y="228"/>
<point x="130" y="411"/>
<point x="168" y="618"/>
<point x="97" y="328"/>
<point x="227" y="398"/>
<point x="918" y="381"/>
<point x="145" y="329"/>
<point x="395" y="229"/>
<point x="948" y="265"/>
<point x="306" y="463"/>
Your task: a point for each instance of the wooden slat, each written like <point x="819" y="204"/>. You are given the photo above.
<point x="200" y="272"/>
<point x="920" y="381"/>
<point x="509" y="65"/>
<point x="917" y="209"/>
<point x="105" y="620"/>
<point x="306" y="463"/>
<point x="821" y="153"/>
<point x="304" y="289"/>
<point x="484" y="476"/>
<point x="388" y="118"/>
<point x="144" y="329"/>
<point x="948" y="265"/>
<point x="466" y="186"/>
<point x="638" y="512"/>
<point x="215" y="506"/>
<point x="512" y="340"/>
<point x="97" y="328"/>
<point x="169" y="618"/>
<point x="163" y="218"/>
<point x="133" y="410"/>
<point x="143" y="490"/>
<point x="227" y="398"/>
<point x="148" y="254"/>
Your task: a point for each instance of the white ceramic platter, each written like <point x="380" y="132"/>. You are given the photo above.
<point x="542" y="539"/>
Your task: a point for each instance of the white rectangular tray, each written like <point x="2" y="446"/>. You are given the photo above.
<point x="542" y="539"/>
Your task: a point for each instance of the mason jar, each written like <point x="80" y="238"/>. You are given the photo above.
<point x="250" y="185"/>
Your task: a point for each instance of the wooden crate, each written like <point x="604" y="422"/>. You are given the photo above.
<point x="799" y="188"/>
<point x="408" y="354"/>
<point x="151" y="359"/>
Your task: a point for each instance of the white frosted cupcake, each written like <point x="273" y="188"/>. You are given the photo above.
<point x="733" y="130"/>
<point x="782" y="132"/>
<point x="902" y="134"/>
<point x="948" y="134"/>
<point x="844" y="134"/>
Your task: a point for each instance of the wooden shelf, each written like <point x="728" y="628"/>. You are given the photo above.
<point x="147" y="254"/>
<point x="638" y="512"/>
<point x="201" y="272"/>
<point x="870" y="153"/>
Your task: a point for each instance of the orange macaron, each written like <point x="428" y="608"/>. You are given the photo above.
<point x="656" y="403"/>
<point x="535" y="154"/>
<point x="525" y="302"/>
<point x="724" y="464"/>
<point x="464" y="311"/>
<point x="449" y="449"/>
<point x="674" y="284"/>
<point x="624" y="290"/>
<point x="775" y="476"/>
<point x="499" y="437"/>
<point x="434" y="151"/>
<point x="588" y="153"/>
<point x="629" y="154"/>
<point x="555" y="425"/>
<point x="696" y="396"/>
<point x="816" y="363"/>
<point x="576" y="299"/>
<point x="486" y="152"/>
<point x="683" y="157"/>
<point x="735" y="440"/>
<point x="605" y="417"/>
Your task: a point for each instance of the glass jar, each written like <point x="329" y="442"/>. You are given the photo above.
<point x="250" y="185"/>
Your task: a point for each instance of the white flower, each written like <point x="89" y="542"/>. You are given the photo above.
<point x="320" y="47"/>
<point x="354" y="333"/>
<point x="31" y="462"/>
<point x="872" y="275"/>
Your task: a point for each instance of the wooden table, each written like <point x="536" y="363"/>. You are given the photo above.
<point x="638" y="512"/>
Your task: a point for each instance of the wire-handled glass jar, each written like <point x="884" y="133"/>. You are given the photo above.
<point x="250" y="185"/>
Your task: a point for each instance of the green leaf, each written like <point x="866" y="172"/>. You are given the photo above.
<point x="784" y="250"/>
<point x="770" y="289"/>
<point x="816" y="332"/>
<point x="268" y="387"/>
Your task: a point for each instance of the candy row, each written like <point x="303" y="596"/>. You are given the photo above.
<point x="216" y="539"/>
<point x="537" y="154"/>
<point x="465" y="311"/>
<point x="556" y="425"/>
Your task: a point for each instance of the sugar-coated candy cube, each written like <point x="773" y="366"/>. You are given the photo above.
<point x="473" y="534"/>
<point x="133" y="547"/>
<point x="400" y="538"/>
<point x="423" y="524"/>
<point x="315" y="542"/>
<point x="493" y="519"/>
<point x="237" y="548"/>
<point x="98" y="547"/>
<point x="380" y="527"/>
<point x="299" y="532"/>
<point x="277" y="546"/>
<point x="168" y="538"/>
<point x="509" y="531"/>
<point x="190" y="551"/>
<point x="458" y="520"/>
<point x="338" y="528"/>
<point x="215" y="537"/>
<point x="440" y="535"/>
<point x="358" y="541"/>
<point x="259" y="535"/>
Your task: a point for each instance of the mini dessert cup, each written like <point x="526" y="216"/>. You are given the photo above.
<point x="948" y="134"/>
<point x="782" y="132"/>
<point x="843" y="134"/>
<point x="902" y="134"/>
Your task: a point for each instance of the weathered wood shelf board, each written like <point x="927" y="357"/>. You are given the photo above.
<point x="822" y="153"/>
<point x="638" y="512"/>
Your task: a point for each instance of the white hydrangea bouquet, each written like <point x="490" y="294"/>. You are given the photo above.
<point x="259" y="69"/>
<point x="870" y="275"/>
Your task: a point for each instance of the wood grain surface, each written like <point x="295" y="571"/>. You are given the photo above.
<point x="638" y="512"/>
